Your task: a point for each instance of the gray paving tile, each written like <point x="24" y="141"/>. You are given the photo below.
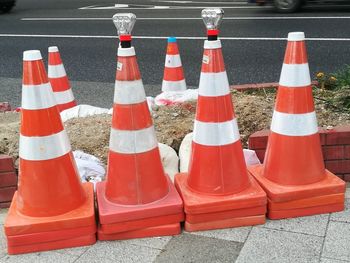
<point x="332" y="260"/>
<point x="3" y="214"/>
<point x="3" y="245"/>
<point x="337" y="242"/>
<point x="238" y="234"/>
<point x="42" y="257"/>
<point x="312" y="225"/>
<point x="74" y="251"/>
<point x="343" y="216"/>
<point x="194" y="248"/>
<point x="267" y="245"/>
<point x="119" y="251"/>
<point x="153" y="242"/>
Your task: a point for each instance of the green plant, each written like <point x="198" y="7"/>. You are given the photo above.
<point x="343" y="77"/>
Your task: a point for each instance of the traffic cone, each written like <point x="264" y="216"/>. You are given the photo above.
<point x="293" y="174"/>
<point x="51" y="209"/>
<point x="217" y="191"/>
<point x="59" y="81"/>
<point x="137" y="199"/>
<point x="173" y="78"/>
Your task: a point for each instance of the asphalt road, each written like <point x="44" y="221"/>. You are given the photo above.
<point x="253" y="40"/>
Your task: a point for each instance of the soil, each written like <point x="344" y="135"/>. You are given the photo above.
<point x="91" y="134"/>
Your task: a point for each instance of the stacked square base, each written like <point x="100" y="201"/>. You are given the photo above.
<point x="322" y="197"/>
<point x="159" y="218"/>
<point x="8" y="180"/>
<point x="31" y="234"/>
<point x="205" y="212"/>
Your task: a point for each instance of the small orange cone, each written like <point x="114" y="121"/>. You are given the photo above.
<point x="173" y="78"/>
<point x="137" y="199"/>
<point x="59" y="81"/>
<point x="217" y="191"/>
<point x="293" y="173"/>
<point x="51" y="209"/>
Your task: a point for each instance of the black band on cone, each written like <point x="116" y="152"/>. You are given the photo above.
<point x="125" y="44"/>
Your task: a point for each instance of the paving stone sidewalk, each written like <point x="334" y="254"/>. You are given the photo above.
<point x="322" y="238"/>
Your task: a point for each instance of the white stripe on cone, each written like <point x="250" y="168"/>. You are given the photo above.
<point x="294" y="124"/>
<point x="212" y="44"/>
<point x="130" y="142"/>
<point x="37" y="97"/>
<point x="213" y="84"/>
<point x="44" y="147"/>
<point x="129" y="92"/>
<point x="56" y="71"/>
<point x="168" y="85"/>
<point x="295" y="75"/>
<point x="126" y="52"/>
<point x="215" y="133"/>
<point x="173" y="61"/>
<point x="63" y="97"/>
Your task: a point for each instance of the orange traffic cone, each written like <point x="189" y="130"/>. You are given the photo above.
<point x="51" y="208"/>
<point x="59" y="81"/>
<point x="173" y="78"/>
<point x="217" y="190"/>
<point x="137" y="199"/>
<point x="293" y="174"/>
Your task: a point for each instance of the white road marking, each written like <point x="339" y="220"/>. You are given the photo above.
<point x="152" y="7"/>
<point x="184" y="18"/>
<point x="166" y="37"/>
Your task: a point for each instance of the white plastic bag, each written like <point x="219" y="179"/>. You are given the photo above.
<point x="174" y="97"/>
<point x="90" y="168"/>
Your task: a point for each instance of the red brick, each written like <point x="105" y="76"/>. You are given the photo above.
<point x="338" y="166"/>
<point x="322" y="133"/>
<point x="333" y="152"/>
<point x="339" y="135"/>
<point x="6" y="163"/>
<point x="8" y="179"/>
<point x="7" y="193"/>
<point x="347" y="152"/>
<point x="346" y="177"/>
<point x="5" y="204"/>
<point x="261" y="155"/>
<point x="258" y="140"/>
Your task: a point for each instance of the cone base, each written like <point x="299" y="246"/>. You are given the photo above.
<point x="200" y="203"/>
<point x="307" y="211"/>
<point x="18" y="224"/>
<point x="280" y="193"/>
<point x="226" y="223"/>
<point x="142" y="223"/>
<point x="60" y="244"/>
<point x="307" y="202"/>
<point x="207" y="217"/>
<point x="44" y="237"/>
<point x="110" y="213"/>
<point x="162" y="230"/>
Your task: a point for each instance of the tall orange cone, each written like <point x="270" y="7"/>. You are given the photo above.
<point x="51" y="208"/>
<point x="59" y="81"/>
<point x="137" y="199"/>
<point x="173" y="78"/>
<point x="293" y="174"/>
<point x="217" y="190"/>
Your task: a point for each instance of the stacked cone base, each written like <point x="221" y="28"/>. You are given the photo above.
<point x="162" y="230"/>
<point x="118" y="221"/>
<point x="325" y="196"/>
<point x="205" y="212"/>
<point x="27" y="234"/>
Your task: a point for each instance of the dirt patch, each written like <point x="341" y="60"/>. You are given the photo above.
<point x="91" y="134"/>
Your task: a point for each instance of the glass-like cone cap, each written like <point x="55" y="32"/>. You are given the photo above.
<point x="212" y="17"/>
<point x="124" y="22"/>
